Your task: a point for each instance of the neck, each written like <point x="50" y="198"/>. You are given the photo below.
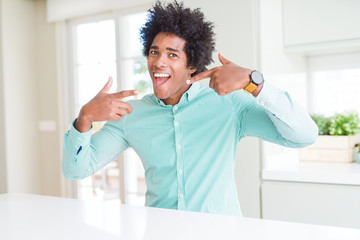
<point x="175" y="99"/>
<point x="171" y="101"/>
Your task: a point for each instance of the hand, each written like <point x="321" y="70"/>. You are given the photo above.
<point x="104" y="107"/>
<point x="226" y="78"/>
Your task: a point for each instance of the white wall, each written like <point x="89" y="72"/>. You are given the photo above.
<point x="235" y="29"/>
<point x="287" y="71"/>
<point x="47" y="102"/>
<point x="20" y="89"/>
<point x="3" y="176"/>
<point x="274" y="61"/>
<point x="29" y="158"/>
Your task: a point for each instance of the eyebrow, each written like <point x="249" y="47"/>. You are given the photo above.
<point x="168" y="48"/>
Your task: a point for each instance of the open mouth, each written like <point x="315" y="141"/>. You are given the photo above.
<point x="161" y="78"/>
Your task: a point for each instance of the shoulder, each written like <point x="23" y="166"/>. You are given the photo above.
<point x="203" y="91"/>
<point x="234" y="98"/>
<point x="140" y="107"/>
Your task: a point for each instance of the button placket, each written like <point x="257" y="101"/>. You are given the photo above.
<point x="179" y="158"/>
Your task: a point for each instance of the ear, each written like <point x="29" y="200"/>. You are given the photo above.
<point x="192" y="70"/>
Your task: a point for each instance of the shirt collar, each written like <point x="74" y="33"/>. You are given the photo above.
<point x="190" y="94"/>
<point x="193" y="91"/>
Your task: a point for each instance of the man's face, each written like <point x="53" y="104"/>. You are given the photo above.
<point x="167" y="64"/>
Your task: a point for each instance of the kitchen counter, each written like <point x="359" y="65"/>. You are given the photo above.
<point x="24" y="216"/>
<point x="287" y="167"/>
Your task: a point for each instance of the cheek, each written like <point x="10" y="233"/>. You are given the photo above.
<point x="182" y="70"/>
<point x="187" y="73"/>
<point x="182" y="75"/>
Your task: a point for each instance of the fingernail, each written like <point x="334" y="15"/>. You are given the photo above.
<point x="136" y="92"/>
<point x="188" y="81"/>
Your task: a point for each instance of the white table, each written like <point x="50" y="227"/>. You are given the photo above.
<point x="24" y="216"/>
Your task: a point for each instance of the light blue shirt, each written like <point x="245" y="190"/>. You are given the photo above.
<point x="188" y="150"/>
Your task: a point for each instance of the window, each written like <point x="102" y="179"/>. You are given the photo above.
<point x="95" y="59"/>
<point x="335" y="83"/>
<point x="102" y="47"/>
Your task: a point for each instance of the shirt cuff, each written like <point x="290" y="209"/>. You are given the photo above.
<point x="267" y="95"/>
<point x="78" y="138"/>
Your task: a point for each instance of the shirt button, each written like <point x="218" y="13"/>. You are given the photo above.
<point x="175" y="108"/>
<point x="176" y="124"/>
<point x="181" y="196"/>
<point x="180" y="171"/>
<point x="79" y="139"/>
<point x="262" y="103"/>
<point x="179" y="147"/>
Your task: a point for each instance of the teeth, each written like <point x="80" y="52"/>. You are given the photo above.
<point x="161" y="75"/>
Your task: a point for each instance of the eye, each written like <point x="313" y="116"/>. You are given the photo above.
<point x="153" y="52"/>
<point x="173" y="55"/>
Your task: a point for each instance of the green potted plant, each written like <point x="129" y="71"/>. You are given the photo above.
<point x="346" y="124"/>
<point x="323" y="124"/>
<point x="337" y="138"/>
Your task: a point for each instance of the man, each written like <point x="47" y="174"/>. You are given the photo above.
<point x="186" y="134"/>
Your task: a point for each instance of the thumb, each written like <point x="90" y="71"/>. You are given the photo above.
<point x="223" y="60"/>
<point x="107" y="86"/>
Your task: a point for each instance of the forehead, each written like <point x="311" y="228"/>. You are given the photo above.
<point x="168" y="40"/>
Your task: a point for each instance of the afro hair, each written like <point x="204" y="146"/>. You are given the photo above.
<point x="185" y="23"/>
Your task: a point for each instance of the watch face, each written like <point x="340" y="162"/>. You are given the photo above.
<point x="257" y="77"/>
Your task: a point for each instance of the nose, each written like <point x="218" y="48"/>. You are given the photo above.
<point x="161" y="61"/>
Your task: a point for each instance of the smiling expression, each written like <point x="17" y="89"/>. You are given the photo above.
<point x="167" y="64"/>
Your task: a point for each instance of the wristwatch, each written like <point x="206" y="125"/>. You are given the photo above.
<point x="256" y="79"/>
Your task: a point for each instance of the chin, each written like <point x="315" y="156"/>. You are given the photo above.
<point x="160" y="94"/>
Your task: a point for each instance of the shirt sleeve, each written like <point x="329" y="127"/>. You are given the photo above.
<point x="85" y="153"/>
<point x="275" y="117"/>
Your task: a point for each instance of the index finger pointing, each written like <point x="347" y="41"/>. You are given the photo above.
<point x="125" y="93"/>
<point x="200" y="76"/>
